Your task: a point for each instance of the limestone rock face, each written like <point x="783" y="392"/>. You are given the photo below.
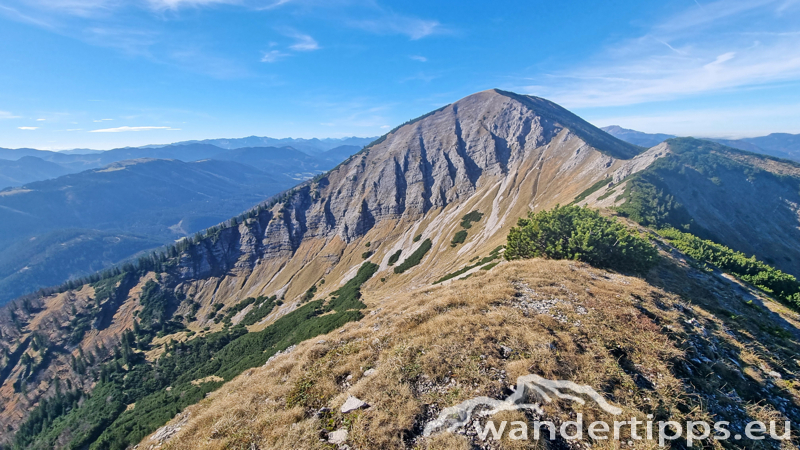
<point x="439" y="159"/>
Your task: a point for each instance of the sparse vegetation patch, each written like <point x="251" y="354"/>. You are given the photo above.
<point x="415" y="257"/>
<point x="474" y="216"/>
<point x="263" y="307"/>
<point x="781" y="285"/>
<point x="492" y="256"/>
<point x="459" y="238"/>
<point x="592" y="189"/>
<point x="395" y="257"/>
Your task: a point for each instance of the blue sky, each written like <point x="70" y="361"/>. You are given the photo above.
<point x="111" y="73"/>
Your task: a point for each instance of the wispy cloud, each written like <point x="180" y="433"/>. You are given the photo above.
<point x="305" y="43"/>
<point x="302" y="43"/>
<point x="175" y="4"/>
<point x="273" y="56"/>
<point x="276" y="4"/>
<point x="28" y="128"/>
<point x="93" y="8"/>
<point x="145" y="33"/>
<point x="419" y="58"/>
<point x="695" y="52"/>
<point x="392" y="23"/>
<point x="103" y="120"/>
<point x="368" y="15"/>
<point x="18" y="16"/>
<point x="126" y="128"/>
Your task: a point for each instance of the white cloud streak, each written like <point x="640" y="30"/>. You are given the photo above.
<point x="392" y="23"/>
<point x="126" y="128"/>
<point x="273" y="56"/>
<point x="695" y="52"/>
<point x="28" y="128"/>
<point x="176" y="4"/>
<point x="305" y="43"/>
<point x="419" y="58"/>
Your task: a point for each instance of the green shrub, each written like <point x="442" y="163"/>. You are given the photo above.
<point x="417" y="238"/>
<point x="415" y="257"/>
<point x="474" y="216"/>
<point x="459" y="238"/>
<point x="395" y="257"/>
<point x="309" y="295"/>
<point x="366" y="255"/>
<point x="458" y="272"/>
<point x="259" y="311"/>
<point x="582" y="234"/>
<point x="781" y="285"/>
<point x="235" y="309"/>
<point x="592" y="189"/>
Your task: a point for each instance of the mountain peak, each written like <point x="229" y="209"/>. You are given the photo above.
<point x="503" y="113"/>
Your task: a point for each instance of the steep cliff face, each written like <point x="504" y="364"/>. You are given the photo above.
<point x="446" y="158"/>
<point x="519" y="149"/>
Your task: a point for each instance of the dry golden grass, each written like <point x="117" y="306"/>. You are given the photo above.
<point x="438" y="346"/>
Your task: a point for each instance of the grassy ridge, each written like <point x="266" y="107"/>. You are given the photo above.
<point x="781" y="285"/>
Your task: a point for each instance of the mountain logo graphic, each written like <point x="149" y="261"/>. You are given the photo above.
<point x="459" y="415"/>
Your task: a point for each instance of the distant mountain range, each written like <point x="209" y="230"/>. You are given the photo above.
<point x="28" y="169"/>
<point x="781" y="145"/>
<point x="315" y="152"/>
<point x="310" y="146"/>
<point x="637" y="137"/>
<point x="67" y="214"/>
